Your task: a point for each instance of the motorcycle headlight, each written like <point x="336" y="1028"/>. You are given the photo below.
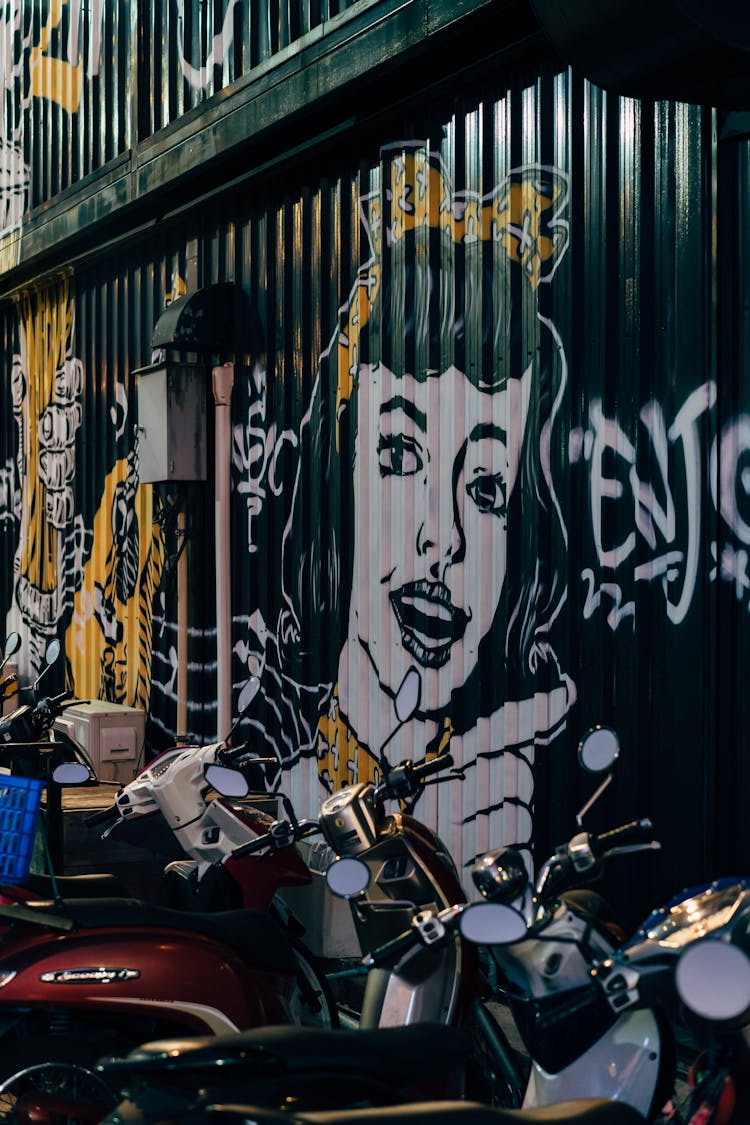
<point x="500" y="875"/>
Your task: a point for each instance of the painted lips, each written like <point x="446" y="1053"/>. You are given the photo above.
<point x="430" y="624"/>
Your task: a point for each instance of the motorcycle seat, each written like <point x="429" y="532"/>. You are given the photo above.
<point x="89" y="885"/>
<point x="254" y="935"/>
<point x="582" y="1111"/>
<point x="397" y="1053"/>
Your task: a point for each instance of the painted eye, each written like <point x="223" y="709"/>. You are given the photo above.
<point x="398" y="455"/>
<point x="488" y="493"/>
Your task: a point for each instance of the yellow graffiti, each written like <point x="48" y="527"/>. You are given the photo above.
<point x="52" y="78"/>
<point x="46" y="330"/>
<point x="108" y="642"/>
<point x="342" y="760"/>
<point x="523" y="214"/>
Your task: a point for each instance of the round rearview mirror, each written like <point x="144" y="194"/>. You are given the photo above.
<point x="227" y="781"/>
<point x="53" y="652"/>
<point x="492" y="923"/>
<point x="248" y="693"/>
<point x="71" y="773"/>
<point x="348" y="877"/>
<point x="408" y="695"/>
<point x="12" y="644"/>
<point x="713" y="980"/>
<point x="599" y="750"/>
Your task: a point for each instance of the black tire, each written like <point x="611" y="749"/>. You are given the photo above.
<point x="70" y="1082"/>
<point x="315" y="1005"/>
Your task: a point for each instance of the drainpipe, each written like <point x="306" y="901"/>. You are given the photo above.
<point x="222" y="382"/>
<point x="182" y="628"/>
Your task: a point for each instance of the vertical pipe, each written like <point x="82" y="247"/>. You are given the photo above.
<point x="222" y="382"/>
<point x="182" y="627"/>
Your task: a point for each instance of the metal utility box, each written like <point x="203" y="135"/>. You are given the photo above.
<point x="111" y="734"/>
<point x="172" y="421"/>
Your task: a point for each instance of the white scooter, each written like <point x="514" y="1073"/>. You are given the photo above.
<point x="198" y="799"/>
<point x="544" y="939"/>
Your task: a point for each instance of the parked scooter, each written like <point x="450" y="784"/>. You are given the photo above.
<point x="81" y="975"/>
<point x="544" y="940"/>
<point x="172" y="794"/>
<point x="409" y="872"/>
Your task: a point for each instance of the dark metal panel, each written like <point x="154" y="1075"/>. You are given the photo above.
<point x="191" y="50"/>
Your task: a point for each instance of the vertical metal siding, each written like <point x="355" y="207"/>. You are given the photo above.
<point x="650" y="595"/>
<point x="191" y="49"/>
<point x="66" y="91"/>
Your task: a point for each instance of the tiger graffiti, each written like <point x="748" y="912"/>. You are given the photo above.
<point x="91" y="578"/>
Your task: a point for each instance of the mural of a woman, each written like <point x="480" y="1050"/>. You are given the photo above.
<point x="438" y="533"/>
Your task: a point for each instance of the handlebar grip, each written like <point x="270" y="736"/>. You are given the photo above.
<point x="636" y="832"/>
<point x="101" y="817"/>
<point x="434" y="765"/>
<point x="391" y="950"/>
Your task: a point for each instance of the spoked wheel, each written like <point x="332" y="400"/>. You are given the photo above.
<point x="313" y="1004"/>
<point x="62" y="1093"/>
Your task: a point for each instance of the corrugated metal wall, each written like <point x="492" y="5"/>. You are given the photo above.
<point x="191" y="49"/>
<point x="67" y="88"/>
<point x="555" y="541"/>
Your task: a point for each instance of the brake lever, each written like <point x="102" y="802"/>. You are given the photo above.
<point x="629" y="849"/>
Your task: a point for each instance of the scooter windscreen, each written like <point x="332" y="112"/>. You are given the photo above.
<point x="711" y="909"/>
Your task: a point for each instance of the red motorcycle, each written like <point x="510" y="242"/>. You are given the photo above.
<point x="86" y="976"/>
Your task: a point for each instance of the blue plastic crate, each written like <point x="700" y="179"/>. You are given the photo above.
<point x="20" y="798"/>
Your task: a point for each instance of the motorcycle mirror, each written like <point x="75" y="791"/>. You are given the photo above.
<point x="713" y="980"/>
<point x="405" y="705"/>
<point x="408" y="695"/>
<point x="12" y="645"/>
<point x="598" y="750"/>
<point x="248" y="693"/>
<point x="71" y="773"/>
<point x="492" y="923"/>
<point x="348" y="877"/>
<point x="51" y="655"/>
<point x="227" y="781"/>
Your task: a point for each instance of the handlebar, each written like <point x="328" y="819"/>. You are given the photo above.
<point x="389" y="951"/>
<point x="635" y="832"/>
<point x="407" y="779"/>
<point x="581" y="857"/>
<point x="102" y="816"/>
<point x="434" y="765"/>
<point x="428" y="928"/>
<point x="282" y="834"/>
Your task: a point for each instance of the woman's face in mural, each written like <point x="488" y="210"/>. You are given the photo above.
<point x="435" y="462"/>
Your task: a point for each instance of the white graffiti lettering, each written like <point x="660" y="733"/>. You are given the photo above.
<point x="200" y="77"/>
<point x="256" y="456"/>
<point x="666" y="507"/>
